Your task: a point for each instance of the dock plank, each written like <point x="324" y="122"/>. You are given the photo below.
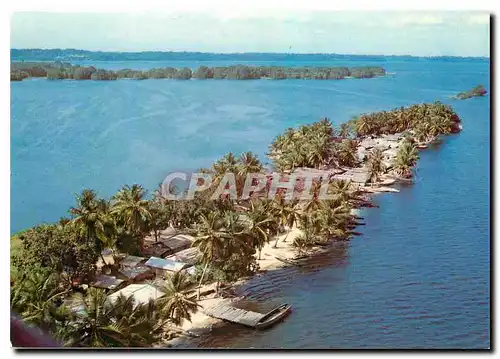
<point x="235" y="315"/>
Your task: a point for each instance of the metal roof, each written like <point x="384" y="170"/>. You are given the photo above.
<point x="165" y="263"/>
<point x="106" y="282"/>
<point x="142" y="293"/>
<point x="131" y="261"/>
<point x="188" y="256"/>
<point x="132" y="272"/>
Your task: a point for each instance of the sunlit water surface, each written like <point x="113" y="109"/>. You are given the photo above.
<point x="418" y="276"/>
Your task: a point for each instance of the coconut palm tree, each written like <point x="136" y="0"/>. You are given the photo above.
<point x="285" y="212"/>
<point x="211" y="234"/>
<point x="406" y="159"/>
<point x="177" y="304"/>
<point x="307" y="237"/>
<point x="258" y="225"/>
<point x="37" y="299"/>
<point x="376" y="164"/>
<point x="92" y="221"/>
<point x="364" y="125"/>
<point x="341" y="189"/>
<point x="315" y="202"/>
<point x="318" y="150"/>
<point x="131" y="209"/>
<point x="346" y="153"/>
<point x="248" y="163"/>
<point x="228" y="163"/>
<point x="100" y="322"/>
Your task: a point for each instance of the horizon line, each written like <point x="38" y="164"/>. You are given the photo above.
<point x="247" y="52"/>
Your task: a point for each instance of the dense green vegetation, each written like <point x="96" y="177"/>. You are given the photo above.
<point x="477" y="91"/>
<point x="319" y="144"/>
<point x="59" y="70"/>
<point x="50" y="261"/>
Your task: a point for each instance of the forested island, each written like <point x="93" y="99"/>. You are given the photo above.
<point x="54" y="266"/>
<point x="477" y="91"/>
<point x="63" y="70"/>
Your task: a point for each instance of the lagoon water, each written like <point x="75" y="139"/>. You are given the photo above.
<point x="417" y="277"/>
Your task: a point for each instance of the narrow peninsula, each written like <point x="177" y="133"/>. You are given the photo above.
<point x="133" y="271"/>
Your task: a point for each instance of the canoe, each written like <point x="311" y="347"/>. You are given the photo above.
<point x="273" y="316"/>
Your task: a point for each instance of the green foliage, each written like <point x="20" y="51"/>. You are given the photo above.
<point x="57" y="249"/>
<point x="103" y="75"/>
<point x="18" y="75"/>
<point x="434" y="119"/>
<point x="37" y="295"/>
<point x="307" y="146"/>
<point x="203" y="72"/>
<point x="59" y="70"/>
<point x="178" y="303"/>
<point x="477" y="91"/>
<point x="366" y="72"/>
<point x="98" y="322"/>
<point x="84" y="73"/>
<point x="183" y="74"/>
<point x="132" y="209"/>
<point x="406" y="159"/>
<point x="376" y="164"/>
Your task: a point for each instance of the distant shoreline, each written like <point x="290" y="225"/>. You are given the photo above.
<point x="37" y="54"/>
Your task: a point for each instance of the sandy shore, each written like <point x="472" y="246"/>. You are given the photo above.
<point x="201" y="323"/>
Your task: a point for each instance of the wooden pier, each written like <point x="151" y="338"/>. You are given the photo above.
<point x="225" y="311"/>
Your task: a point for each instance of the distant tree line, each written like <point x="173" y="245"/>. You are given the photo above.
<point x="63" y="70"/>
<point x="75" y="54"/>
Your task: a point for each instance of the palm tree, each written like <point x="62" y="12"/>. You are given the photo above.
<point x="133" y="210"/>
<point x="315" y="202"/>
<point x="248" y="163"/>
<point x="318" y="150"/>
<point x="285" y="212"/>
<point x="92" y="221"/>
<point x="346" y="153"/>
<point x="177" y="304"/>
<point x="341" y="189"/>
<point x="258" y="226"/>
<point x="210" y="237"/>
<point x="364" y="125"/>
<point x="345" y="130"/>
<point x="406" y="159"/>
<point x="228" y="163"/>
<point x="37" y="299"/>
<point x="99" y="322"/>
<point x="376" y="164"/>
<point x="304" y="240"/>
<point x="93" y="324"/>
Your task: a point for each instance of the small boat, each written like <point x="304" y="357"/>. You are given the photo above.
<point x="273" y="316"/>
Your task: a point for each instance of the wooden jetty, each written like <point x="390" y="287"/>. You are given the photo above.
<point x="251" y="319"/>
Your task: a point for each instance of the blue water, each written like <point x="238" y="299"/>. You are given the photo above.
<point x="418" y="277"/>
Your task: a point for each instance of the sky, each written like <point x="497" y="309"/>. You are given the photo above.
<point x="385" y="33"/>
